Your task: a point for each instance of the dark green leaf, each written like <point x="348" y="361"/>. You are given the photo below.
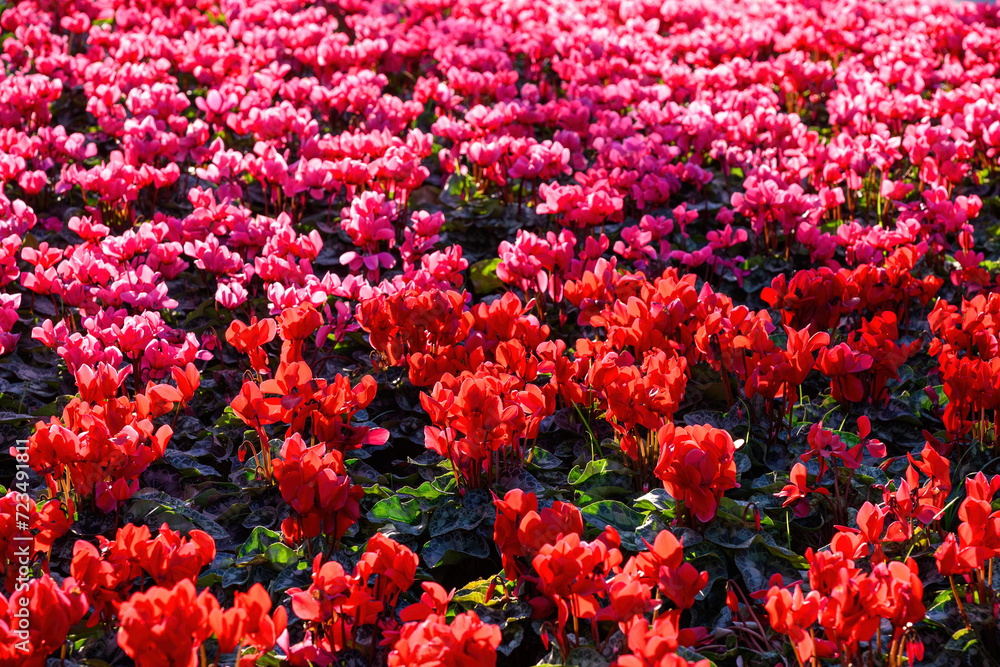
<point x="188" y="465"/>
<point x="612" y="513"/>
<point x="475" y="507"/>
<point x="454" y="547"/>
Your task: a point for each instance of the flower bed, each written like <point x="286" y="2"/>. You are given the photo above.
<point x="595" y="332"/>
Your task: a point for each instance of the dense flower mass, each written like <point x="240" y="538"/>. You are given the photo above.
<point x="643" y="333"/>
<point x="696" y="465"/>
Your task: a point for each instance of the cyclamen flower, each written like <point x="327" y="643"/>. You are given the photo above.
<point x="843" y="366"/>
<point x="420" y="236"/>
<point x="315" y="484"/>
<point x="369" y="221"/>
<point x="537" y="264"/>
<point x="61" y="607"/>
<point x="45" y="526"/>
<point x="635" y="246"/>
<point x="466" y="642"/>
<point x="663" y="566"/>
<point x="696" y="465"/>
<point x="572" y="574"/>
<point x="795" y="493"/>
<point x="164" y="627"/>
<point x="250" y="623"/>
<point x="231" y="294"/>
<point x="655" y="646"/>
<point x="107" y="572"/>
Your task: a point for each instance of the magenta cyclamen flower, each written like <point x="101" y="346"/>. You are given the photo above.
<point x="420" y="236"/>
<point x="537" y="264"/>
<point x="368" y="221"/>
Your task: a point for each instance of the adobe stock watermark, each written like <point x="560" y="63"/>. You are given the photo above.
<point x="22" y="551"/>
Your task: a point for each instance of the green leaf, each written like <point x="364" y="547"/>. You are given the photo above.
<point x="598" y="480"/>
<point x="281" y="555"/>
<point x="740" y="512"/>
<point x="848" y="438"/>
<point x="753" y="569"/>
<point x="594" y="494"/>
<point x="585" y="656"/>
<point x="524" y="480"/>
<point x="961" y="642"/>
<point x="453" y="547"/>
<point x="260" y="540"/>
<point x="757" y="565"/>
<point x="942" y="598"/>
<point x="594" y="467"/>
<point x="613" y="513"/>
<point x="513" y="635"/>
<point x="543" y="459"/>
<point x="657" y="499"/>
<point x="291" y="577"/>
<point x="868" y="476"/>
<point x="262" y="516"/>
<point x="483" y="275"/>
<point x="475" y="507"/>
<point x="212" y="492"/>
<point x="395" y="510"/>
<point x="235" y="576"/>
<point x="155" y="507"/>
<point x="426" y="491"/>
<point x="729" y="537"/>
<point x="793" y="559"/>
<point x="235" y="512"/>
<point x="474" y="592"/>
<point x="188" y="465"/>
<point x="650" y="528"/>
<point x="712" y="563"/>
<point x="211" y="577"/>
